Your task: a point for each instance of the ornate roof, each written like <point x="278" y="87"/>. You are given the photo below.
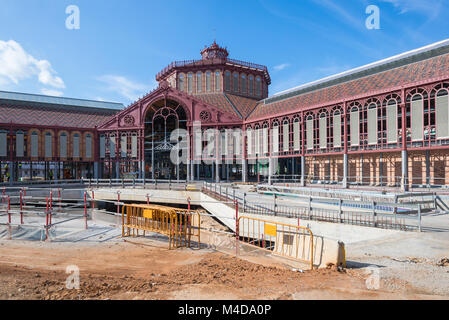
<point x="53" y="116"/>
<point x="405" y="75"/>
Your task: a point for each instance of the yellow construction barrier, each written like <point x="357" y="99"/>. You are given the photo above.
<point x="180" y="225"/>
<point x="286" y="240"/>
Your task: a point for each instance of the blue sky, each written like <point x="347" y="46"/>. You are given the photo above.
<point x="121" y="45"/>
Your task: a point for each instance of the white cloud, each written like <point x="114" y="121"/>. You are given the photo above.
<point x="125" y="87"/>
<point x="281" y="66"/>
<point x="430" y="8"/>
<point x="17" y="65"/>
<point x="51" y="92"/>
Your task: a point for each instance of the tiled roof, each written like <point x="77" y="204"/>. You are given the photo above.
<point x="53" y="116"/>
<point x="218" y="100"/>
<point x="244" y="105"/>
<point x="423" y="70"/>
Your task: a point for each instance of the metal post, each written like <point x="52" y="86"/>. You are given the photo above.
<point x="340" y="210"/>
<point x="85" y="209"/>
<point x="310" y="208"/>
<point x="237" y="231"/>
<point x="118" y="207"/>
<point x="9" y="208"/>
<point x="345" y="171"/>
<point x="93" y="200"/>
<point x="303" y="171"/>
<point x="244" y="202"/>
<point x="419" y="218"/>
<point x="21" y="209"/>
<point x="59" y="197"/>
<point x="404" y="180"/>
<point x="374" y="214"/>
<point x="274" y="201"/>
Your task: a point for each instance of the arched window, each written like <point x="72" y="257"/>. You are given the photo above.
<point x="442" y="114"/>
<point x="208" y="81"/>
<point x="198" y="82"/>
<point x="236" y="82"/>
<point x="258" y="86"/>
<point x="251" y="85"/>
<point x="228" y="81"/>
<point x="243" y="84"/>
<point x="217" y="81"/>
<point x="181" y="82"/>
<point x="190" y="82"/>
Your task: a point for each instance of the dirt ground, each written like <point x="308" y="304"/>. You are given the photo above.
<point x="148" y="270"/>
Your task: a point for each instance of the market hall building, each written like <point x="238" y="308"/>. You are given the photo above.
<point x="384" y="124"/>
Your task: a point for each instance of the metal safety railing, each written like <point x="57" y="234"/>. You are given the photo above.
<point x="288" y="241"/>
<point x="180" y="225"/>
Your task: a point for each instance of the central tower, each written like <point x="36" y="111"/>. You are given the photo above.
<point x="217" y="73"/>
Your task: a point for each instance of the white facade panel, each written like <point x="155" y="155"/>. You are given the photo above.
<point x="88" y="146"/>
<point x="102" y="147"/>
<point x="276" y="139"/>
<point x="112" y="146"/>
<point x="63" y="146"/>
<point x="48" y="146"/>
<point x="323" y="133"/>
<point x="134" y="146"/>
<point x="296" y="137"/>
<point x="392" y="123"/>
<point x="372" y="126"/>
<point x="417" y="120"/>
<point x="309" y="134"/>
<point x="34" y="145"/>
<point x="123" y="146"/>
<point x="286" y="137"/>
<point x="265" y="140"/>
<point x="355" y="128"/>
<point x="76" y="146"/>
<point x="3" y="145"/>
<point x="337" y="131"/>
<point x="19" y="144"/>
<point x="442" y="117"/>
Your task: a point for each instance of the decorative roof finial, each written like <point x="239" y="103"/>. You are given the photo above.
<point x="214" y="52"/>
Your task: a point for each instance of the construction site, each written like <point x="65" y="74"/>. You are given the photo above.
<point x="158" y="239"/>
